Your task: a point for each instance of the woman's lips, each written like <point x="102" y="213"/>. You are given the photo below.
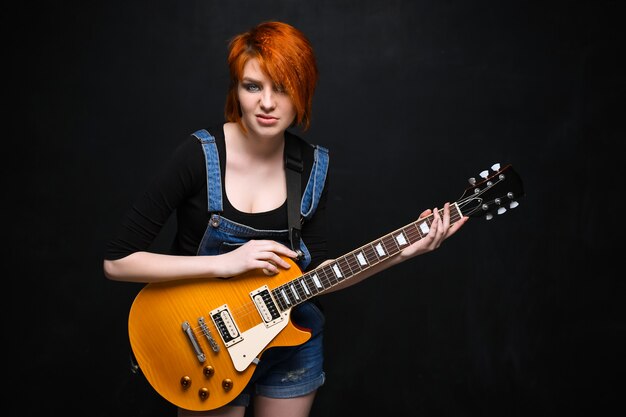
<point x="266" y="120"/>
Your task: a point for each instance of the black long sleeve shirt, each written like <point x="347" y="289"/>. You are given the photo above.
<point x="181" y="187"/>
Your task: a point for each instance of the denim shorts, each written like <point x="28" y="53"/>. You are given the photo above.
<point x="290" y="371"/>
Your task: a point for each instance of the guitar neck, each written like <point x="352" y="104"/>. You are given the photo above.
<point x="347" y="266"/>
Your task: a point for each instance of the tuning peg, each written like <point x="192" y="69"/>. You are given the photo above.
<point x="513" y="204"/>
<point x="484" y="174"/>
<point x="496" y="166"/>
<point x="501" y="210"/>
<point x="472" y="181"/>
<point x="488" y="216"/>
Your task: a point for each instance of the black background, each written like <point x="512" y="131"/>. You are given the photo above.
<point x="522" y="315"/>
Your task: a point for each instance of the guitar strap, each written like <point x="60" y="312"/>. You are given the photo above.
<point x="293" y="171"/>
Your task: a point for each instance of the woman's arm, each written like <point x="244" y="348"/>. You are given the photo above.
<point x="153" y="267"/>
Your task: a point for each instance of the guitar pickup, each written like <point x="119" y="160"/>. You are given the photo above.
<point x="266" y="306"/>
<point x="226" y="325"/>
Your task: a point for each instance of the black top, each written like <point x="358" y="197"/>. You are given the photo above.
<point x="181" y="186"/>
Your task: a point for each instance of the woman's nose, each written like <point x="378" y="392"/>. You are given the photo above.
<point x="267" y="99"/>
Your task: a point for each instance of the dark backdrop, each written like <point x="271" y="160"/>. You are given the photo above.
<point x="519" y="316"/>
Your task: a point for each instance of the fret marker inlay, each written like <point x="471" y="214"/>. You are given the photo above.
<point x="380" y="250"/>
<point x="282" y="291"/>
<point x="424" y="227"/>
<point x="400" y="239"/>
<point x="361" y="258"/>
<point x="305" y="286"/>
<point x="337" y="271"/>
<point x="316" y="280"/>
<point x="295" y="293"/>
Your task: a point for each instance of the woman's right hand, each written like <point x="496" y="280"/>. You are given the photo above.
<point x="256" y="254"/>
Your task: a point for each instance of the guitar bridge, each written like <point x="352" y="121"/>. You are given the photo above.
<point x="207" y="333"/>
<point x="194" y="342"/>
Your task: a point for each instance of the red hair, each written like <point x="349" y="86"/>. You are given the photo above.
<point x="285" y="55"/>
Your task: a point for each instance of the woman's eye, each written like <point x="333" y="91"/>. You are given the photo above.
<point x="251" y="87"/>
<point x="279" y="89"/>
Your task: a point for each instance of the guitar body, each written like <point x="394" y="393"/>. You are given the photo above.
<point x="182" y="364"/>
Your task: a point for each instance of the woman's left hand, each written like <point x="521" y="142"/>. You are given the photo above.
<point x="440" y="230"/>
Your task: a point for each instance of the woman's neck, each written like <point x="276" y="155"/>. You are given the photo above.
<point x="246" y="143"/>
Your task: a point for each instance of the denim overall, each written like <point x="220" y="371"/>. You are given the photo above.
<point x="223" y="235"/>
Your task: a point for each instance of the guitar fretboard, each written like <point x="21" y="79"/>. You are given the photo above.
<point x="347" y="266"/>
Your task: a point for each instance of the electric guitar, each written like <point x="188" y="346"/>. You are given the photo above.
<point x="198" y="341"/>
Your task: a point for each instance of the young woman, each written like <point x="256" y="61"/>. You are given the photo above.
<point x="228" y="187"/>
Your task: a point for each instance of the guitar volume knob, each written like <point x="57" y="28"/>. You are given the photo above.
<point x="208" y="371"/>
<point x="185" y="382"/>
<point x="203" y="393"/>
<point x="227" y="384"/>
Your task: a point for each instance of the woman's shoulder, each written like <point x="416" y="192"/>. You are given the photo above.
<point x="216" y="131"/>
<point x="307" y="148"/>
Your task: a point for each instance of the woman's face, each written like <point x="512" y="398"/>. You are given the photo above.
<point x="267" y="110"/>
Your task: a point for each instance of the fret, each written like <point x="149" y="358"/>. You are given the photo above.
<point x="337" y="271"/>
<point x="371" y="255"/>
<point x="353" y="263"/>
<point x="316" y="283"/>
<point x="390" y="245"/>
<point x="296" y="293"/>
<point x="305" y="286"/>
<point x="329" y="275"/>
<point x="345" y="267"/>
<point x="424" y="226"/>
<point x="279" y="300"/>
<point x="361" y="259"/>
<point x="401" y="238"/>
<point x="321" y="281"/>
<point x="285" y="296"/>
<point x="380" y="249"/>
<point x="413" y="233"/>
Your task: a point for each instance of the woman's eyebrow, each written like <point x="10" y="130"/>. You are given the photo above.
<point x="251" y="80"/>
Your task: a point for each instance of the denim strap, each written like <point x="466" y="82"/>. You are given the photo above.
<point x="214" y="176"/>
<point x="315" y="185"/>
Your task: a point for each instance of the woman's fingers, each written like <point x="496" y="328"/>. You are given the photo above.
<point x="267" y="255"/>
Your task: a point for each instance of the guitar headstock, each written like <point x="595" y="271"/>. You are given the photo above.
<point x="497" y="191"/>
